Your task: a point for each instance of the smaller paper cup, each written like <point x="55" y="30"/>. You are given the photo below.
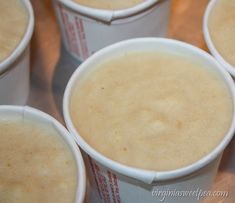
<point x="85" y="30"/>
<point x="14" y="70"/>
<point x="114" y="182"/>
<point x="209" y="42"/>
<point x="41" y="117"/>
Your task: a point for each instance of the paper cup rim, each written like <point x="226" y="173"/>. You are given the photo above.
<point x="39" y="115"/>
<point x="209" y="41"/>
<point x="5" y="64"/>
<point x="108" y="15"/>
<point x="148" y="176"/>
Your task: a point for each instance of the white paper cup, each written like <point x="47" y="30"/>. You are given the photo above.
<point x="85" y="30"/>
<point x="40" y="117"/>
<point x="14" y="70"/>
<point x="209" y="42"/>
<point x="112" y="181"/>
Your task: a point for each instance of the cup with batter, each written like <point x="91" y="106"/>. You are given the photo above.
<point x="151" y="114"/>
<point x="40" y="161"/>
<point x="87" y="25"/>
<point x="16" y="28"/>
<point x="219" y="32"/>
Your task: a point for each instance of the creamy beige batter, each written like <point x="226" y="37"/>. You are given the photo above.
<point x="36" y="165"/>
<point x="222" y="29"/>
<point x="156" y="111"/>
<point x="13" y="24"/>
<point x="110" y="5"/>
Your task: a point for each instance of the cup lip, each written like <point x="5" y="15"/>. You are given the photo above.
<point x="105" y="14"/>
<point x="148" y="176"/>
<point x="5" y="65"/>
<point x="209" y="41"/>
<point x="62" y="131"/>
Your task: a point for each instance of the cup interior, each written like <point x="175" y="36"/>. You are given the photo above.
<point x="108" y="15"/>
<point x="209" y="42"/>
<point x="148" y="44"/>
<point x="6" y="64"/>
<point x="8" y="112"/>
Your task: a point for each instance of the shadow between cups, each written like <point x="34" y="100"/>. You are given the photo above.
<point x="65" y="67"/>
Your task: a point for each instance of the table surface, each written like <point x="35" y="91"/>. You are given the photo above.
<point x="51" y="67"/>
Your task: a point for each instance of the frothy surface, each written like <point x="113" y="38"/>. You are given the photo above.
<point x="36" y="164"/>
<point x="109" y="5"/>
<point x="151" y="110"/>
<point x="222" y="29"/>
<point x="13" y="24"/>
